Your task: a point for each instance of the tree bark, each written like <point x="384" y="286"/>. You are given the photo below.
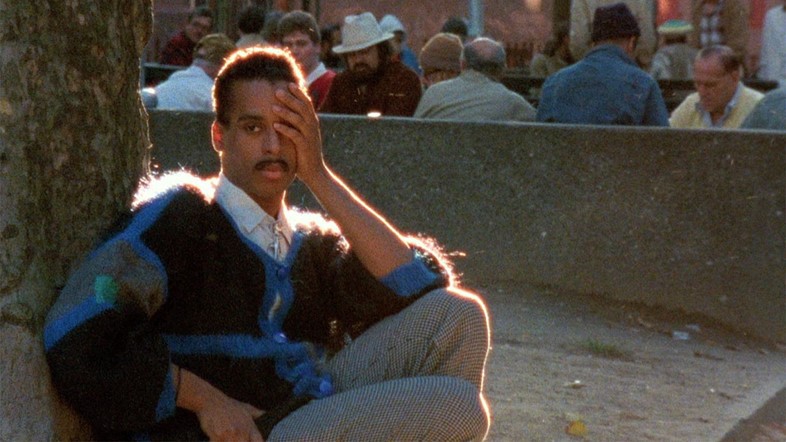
<point x="73" y="144"/>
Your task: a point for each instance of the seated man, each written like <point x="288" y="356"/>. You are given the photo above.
<point x="556" y="54"/>
<point x="606" y="86"/>
<point x="476" y="94"/>
<point x="440" y="58"/>
<point x="192" y="88"/>
<point x="179" y="49"/>
<point x="300" y="34"/>
<point x="582" y="14"/>
<point x="372" y="82"/>
<point x="216" y="305"/>
<point x="401" y="51"/>
<point x="721" y="100"/>
<point x="674" y="59"/>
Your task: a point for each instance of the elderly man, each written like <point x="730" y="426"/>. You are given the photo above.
<point x="216" y="313"/>
<point x="192" y="88"/>
<point x="720" y="100"/>
<point x="476" y="94"/>
<point x="582" y="13"/>
<point x="607" y="86"/>
<point x="179" y="49"/>
<point x="300" y="34"/>
<point x="373" y="83"/>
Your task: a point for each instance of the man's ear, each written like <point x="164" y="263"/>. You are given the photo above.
<point x="217" y="135"/>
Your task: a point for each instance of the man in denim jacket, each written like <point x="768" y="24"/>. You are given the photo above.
<point x="607" y="86"/>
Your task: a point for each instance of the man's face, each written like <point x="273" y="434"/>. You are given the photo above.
<point x="364" y="63"/>
<point x="715" y="86"/>
<point x="198" y="27"/>
<point x="305" y="51"/>
<point x="255" y="157"/>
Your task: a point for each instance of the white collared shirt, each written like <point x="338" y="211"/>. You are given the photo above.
<point x="187" y="89"/>
<point x="274" y="236"/>
<point x="316" y="73"/>
<point x="707" y="118"/>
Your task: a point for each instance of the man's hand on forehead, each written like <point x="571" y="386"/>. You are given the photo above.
<point x="300" y="124"/>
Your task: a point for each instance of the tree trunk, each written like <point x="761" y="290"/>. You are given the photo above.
<point x="73" y="143"/>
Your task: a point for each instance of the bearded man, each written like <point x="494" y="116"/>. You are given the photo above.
<point x="372" y="84"/>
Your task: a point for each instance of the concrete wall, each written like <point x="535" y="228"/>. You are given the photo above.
<point x="683" y="219"/>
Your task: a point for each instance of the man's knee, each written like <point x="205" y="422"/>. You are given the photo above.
<point x="457" y="307"/>
<point x="464" y="415"/>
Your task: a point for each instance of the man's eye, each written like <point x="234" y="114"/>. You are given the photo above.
<point x="253" y="128"/>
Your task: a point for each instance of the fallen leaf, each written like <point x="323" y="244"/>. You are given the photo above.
<point x="576" y="428"/>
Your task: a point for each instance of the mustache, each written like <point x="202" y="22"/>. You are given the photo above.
<point x="260" y="165"/>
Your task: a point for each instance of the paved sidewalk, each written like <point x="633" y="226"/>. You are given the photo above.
<point x="567" y="367"/>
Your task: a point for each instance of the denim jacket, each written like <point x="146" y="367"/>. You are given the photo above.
<point x="606" y="87"/>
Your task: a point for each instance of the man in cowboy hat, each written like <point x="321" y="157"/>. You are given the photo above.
<point x="606" y="86"/>
<point x="372" y="82"/>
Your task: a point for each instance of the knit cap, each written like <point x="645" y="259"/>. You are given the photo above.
<point x="614" y="21"/>
<point x="214" y="48"/>
<point x="442" y="52"/>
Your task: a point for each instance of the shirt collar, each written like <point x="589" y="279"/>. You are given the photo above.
<point x="707" y="118"/>
<point x="316" y="73"/>
<point x="613" y="50"/>
<point x="245" y="212"/>
<point x="474" y="76"/>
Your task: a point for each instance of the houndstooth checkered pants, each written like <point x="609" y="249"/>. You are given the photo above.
<point x="417" y="375"/>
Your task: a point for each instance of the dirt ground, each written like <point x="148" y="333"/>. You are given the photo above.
<point x="567" y="367"/>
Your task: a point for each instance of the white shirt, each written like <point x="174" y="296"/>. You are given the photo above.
<point x="316" y="73"/>
<point x="187" y="89"/>
<point x="772" y="63"/>
<point x="274" y="236"/>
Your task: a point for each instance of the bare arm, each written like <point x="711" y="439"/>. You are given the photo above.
<point x="221" y="417"/>
<point x="376" y="243"/>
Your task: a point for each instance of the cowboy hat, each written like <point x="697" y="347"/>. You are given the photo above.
<point x="360" y="32"/>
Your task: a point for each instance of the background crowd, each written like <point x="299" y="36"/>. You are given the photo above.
<point x="606" y="65"/>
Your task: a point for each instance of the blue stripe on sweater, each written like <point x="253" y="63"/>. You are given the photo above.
<point x="89" y="308"/>
<point x="237" y="346"/>
<point x="409" y="279"/>
<point x="78" y="315"/>
<point x="166" y="402"/>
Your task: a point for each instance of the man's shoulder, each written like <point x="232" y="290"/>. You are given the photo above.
<point x="181" y="188"/>
<point x="397" y="71"/>
<point x="686" y="109"/>
<point x="326" y="77"/>
<point x="751" y="93"/>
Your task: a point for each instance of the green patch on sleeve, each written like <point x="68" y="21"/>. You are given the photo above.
<point x="106" y="289"/>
